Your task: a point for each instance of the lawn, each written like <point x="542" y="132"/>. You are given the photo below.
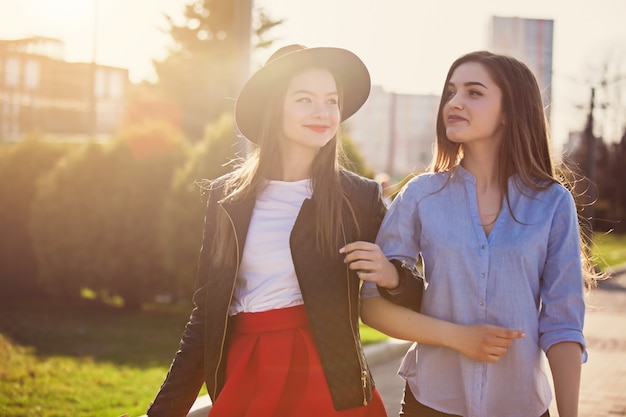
<point x="95" y="361"/>
<point x="609" y="250"/>
<point x="57" y="361"/>
<point x="83" y="361"/>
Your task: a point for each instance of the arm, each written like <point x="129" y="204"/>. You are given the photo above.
<point x="410" y="289"/>
<point x="396" y="281"/>
<point x="186" y="376"/>
<point x="563" y="307"/>
<point x="565" y="363"/>
<point x="482" y="342"/>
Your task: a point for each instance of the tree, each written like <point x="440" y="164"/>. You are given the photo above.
<point x="209" y="59"/>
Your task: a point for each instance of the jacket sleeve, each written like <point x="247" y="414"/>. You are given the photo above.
<point x="410" y="289"/>
<point x="185" y="376"/>
<point x="186" y="373"/>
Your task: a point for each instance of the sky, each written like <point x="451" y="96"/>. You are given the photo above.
<point x="407" y="45"/>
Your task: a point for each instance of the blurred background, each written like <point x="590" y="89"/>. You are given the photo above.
<point x="111" y="111"/>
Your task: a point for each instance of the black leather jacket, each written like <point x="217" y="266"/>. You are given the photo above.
<point x="329" y="289"/>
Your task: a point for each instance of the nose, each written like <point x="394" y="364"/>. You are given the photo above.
<point x="456" y="102"/>
<point x="320" y="110"/>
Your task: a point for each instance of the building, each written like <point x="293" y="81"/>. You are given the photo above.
<point x="40" y="92"/>
<point x="395" y="132"/>
<point x="530" y="41"/>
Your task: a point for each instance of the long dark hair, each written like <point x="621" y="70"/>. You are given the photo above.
<point x="328" y="194"/>
<point x="525" y="150"/>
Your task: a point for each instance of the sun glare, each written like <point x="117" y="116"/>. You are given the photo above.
<point x="63" y="11"/>
<point x="60" y="18"/>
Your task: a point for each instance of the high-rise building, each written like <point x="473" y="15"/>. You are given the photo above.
<point x="530" y="41"/>
<point x="395" y="132"/>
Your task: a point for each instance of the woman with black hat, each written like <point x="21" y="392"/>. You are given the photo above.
<point x="275" y="328"/>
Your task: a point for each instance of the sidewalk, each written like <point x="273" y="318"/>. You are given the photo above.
<point x="603" y="384"/>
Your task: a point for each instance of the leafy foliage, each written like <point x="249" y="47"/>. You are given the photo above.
<point x="352" y="159"/>
<point x="208" y="61"/>
<point x="183" y="211"/>
<point x="21" y="166"/>
<point x="602" y="188"/>
<point x="95" y="220"/>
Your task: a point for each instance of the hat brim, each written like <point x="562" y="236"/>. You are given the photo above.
<point x="351" y="73"/>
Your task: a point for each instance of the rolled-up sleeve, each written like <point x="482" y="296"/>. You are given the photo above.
<point x="563" y="306"/>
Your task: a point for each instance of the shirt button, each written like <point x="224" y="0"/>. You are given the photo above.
<point x="482" y="303"/>
<point x="483" y="247"/>
<point x="483" y="275"/>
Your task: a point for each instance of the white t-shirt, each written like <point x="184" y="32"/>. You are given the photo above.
<point x="267" y="278"/>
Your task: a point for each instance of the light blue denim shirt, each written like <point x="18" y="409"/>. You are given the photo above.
<point x="525" y="275"/>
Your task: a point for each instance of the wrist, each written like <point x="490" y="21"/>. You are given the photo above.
<point x="395" y="282"/>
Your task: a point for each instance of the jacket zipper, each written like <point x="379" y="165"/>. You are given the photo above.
<point x="232" y="291"/>
<point x="354" y="332"/>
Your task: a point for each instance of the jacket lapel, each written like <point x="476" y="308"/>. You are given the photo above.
<point x="240" y="213"/>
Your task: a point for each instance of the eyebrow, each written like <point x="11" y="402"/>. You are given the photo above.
<point x="468" y="84"/>
<point x="334" y="93"/>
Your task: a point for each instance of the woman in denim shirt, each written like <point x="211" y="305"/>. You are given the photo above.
<point x="501" y="246"/>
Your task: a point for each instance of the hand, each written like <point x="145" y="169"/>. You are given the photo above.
<point x="370" y="264"/>
<point x="485" y="342"/>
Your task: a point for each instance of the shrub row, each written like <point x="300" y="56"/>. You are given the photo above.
<point x="121" y="220"/>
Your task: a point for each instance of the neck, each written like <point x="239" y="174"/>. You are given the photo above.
<point x="483" y="164"/>
<point x="293" y="167"/>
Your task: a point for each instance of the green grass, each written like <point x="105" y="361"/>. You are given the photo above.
<point x="609" y="250"/>
<point x="59" y="361"/>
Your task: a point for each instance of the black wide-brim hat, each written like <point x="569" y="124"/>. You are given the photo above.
<point x="352" y="76"/>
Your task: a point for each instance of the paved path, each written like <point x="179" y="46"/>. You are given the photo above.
<point x="603" y="382"/>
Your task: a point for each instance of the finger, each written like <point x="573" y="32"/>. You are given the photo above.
<point x="354" y="255"/>
<point x="492" y="358"/>
<point x="359" y="255"/>
<point x="362" y="265"/>
<point x="510" y="334"/>
<point x="352" y="246"/>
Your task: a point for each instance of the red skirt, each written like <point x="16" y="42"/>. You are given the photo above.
<point x="274" y="369"/>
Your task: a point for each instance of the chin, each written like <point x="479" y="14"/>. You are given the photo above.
<point x="455" y="139"/>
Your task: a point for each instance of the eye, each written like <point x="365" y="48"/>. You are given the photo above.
<point x="475" y="93"/>
<point x="332" y="101"/>
<point x="303" y="100"/>
<point x="449" y="94"/>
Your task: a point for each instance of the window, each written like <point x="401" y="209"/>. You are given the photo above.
<point x="31" y="74"/>
<point x="116" y="85"/>
<point x="12" y="74"/>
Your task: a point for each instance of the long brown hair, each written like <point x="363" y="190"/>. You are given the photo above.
<point x="525" y="150"/>
<point x="328" y="194"/>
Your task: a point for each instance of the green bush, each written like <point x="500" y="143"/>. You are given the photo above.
<point x="97" y="215"/>
<point x="21" y="165"/>
<point x="183" y="211"/>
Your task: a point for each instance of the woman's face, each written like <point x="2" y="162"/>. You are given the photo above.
<point x="473" y="111"/>
<point x="311" y="113"/>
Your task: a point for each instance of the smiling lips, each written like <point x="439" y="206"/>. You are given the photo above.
<point x="317" y="128"/>
<point x="453" y="118"/>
